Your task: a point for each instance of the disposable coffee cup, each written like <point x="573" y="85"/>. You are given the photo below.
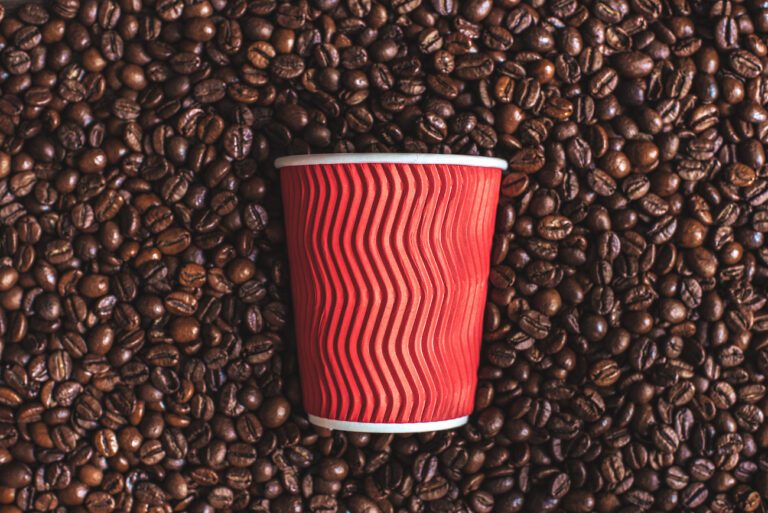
<point x="389" y="258"/>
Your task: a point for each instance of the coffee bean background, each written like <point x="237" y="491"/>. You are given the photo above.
<point x="148" y="362"/>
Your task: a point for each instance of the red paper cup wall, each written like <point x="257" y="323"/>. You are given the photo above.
<point x="389" y="257"/>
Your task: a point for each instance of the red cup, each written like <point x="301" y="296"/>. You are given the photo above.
<point x="389" y="258"/>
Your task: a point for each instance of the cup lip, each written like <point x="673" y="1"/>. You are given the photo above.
<point x="390" y="158"/>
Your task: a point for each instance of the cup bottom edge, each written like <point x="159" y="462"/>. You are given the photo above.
<point x="381" y="427"/>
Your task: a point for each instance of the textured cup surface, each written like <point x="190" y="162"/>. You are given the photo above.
<point x="389" y="266"/>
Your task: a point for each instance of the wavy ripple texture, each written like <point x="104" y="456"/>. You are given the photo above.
<point x="389" y="268"/>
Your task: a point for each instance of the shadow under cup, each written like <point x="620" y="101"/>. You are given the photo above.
<point x="389" y="259"/>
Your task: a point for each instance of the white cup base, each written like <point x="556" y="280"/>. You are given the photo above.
<point x="374" y="427"/>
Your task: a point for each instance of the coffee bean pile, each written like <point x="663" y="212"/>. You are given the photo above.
<point x="147" y="358"/>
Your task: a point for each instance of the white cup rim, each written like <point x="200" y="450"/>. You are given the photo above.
<point x="389" y="158"/>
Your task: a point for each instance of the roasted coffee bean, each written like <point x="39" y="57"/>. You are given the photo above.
<point x="237" y="141"/>
<point x="535" y="324"/>
<point x="605" y="373"/>
<point x="554" y="227"/>
<point x="745" y="63"/>
<point x="694" y="495"/>
<point x="15" y="475"/>
<point x="633" y="64"/>
<point x="665" y="438"/>
<point x="287" y="66"/>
